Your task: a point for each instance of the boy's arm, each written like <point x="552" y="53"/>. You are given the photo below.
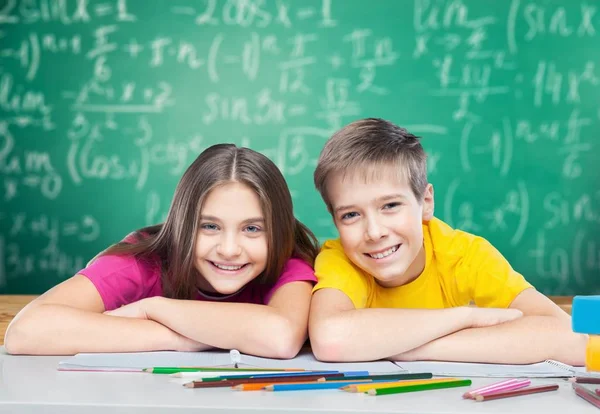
<point x="68" y="319"/>
<point x="276" y="330"/>
<point x="543" y="333"/>
<point x="340" y="332"/>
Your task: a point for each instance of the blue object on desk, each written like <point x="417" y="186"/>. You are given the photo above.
<point x="585" y="314"/>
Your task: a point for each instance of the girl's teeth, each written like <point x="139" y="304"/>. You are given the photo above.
<point x="228" y="267"/>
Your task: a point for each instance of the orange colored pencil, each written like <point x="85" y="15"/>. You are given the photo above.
<point x="515" y="393"/>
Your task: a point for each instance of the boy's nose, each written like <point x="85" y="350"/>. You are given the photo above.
<point x="375" y="230"/>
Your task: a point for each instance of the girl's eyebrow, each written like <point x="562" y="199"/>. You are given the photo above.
<point x="248" y="220"/>
<point x="254" y="220"/>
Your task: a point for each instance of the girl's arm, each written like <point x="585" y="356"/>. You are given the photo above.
<point x="543" y="333"/>
<point x="340" y="332"/>
<point x="276" y="330"/>
<point x="68" y="319"/>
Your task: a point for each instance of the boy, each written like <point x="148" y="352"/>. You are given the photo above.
<point x="398" y="281"/>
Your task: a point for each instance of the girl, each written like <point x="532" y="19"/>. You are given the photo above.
<point x="230" y="268"/>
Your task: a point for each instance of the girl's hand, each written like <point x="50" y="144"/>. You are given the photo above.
<point x="135" y="310"/>
<point x="482" y="317"/>
<point x="185" y="344"/>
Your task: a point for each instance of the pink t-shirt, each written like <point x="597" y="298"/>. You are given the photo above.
<point x="124" y="279"/>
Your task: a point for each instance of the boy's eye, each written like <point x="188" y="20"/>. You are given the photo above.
<point x="392" y="205"/>
<point x="209" y="226"/>
<point x="253" y="229"/>
<point x="350" y="215"/>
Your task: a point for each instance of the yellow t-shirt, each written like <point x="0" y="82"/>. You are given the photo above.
<point x="460" y="269"/>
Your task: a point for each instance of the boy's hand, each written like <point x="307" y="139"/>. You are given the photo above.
<point x="482" y="317"/>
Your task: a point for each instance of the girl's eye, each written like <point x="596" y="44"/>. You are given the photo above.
<point x="253" y="229"/>
<point x="350" y="215"/>
<point x="209" y="226"/>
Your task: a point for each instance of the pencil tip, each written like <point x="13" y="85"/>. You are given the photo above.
<point x="189" y="385"/>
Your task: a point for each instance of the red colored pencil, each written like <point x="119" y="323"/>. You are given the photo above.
<point x="586" y="380"/>
<point x="515" y="393"/>
<point x="586" y="394"/>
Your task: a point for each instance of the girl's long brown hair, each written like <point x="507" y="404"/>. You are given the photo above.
<point x="174" y="241"/>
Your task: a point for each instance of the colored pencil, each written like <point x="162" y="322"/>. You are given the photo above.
<point x="302" y="386"/>
<point x="586" y="394"/>
<point x="516" y="393"/>
<point x="299" y="374"/>
<point x="393" y="377"/>
<point x="172" y="370"/>
<point x="195" y="384"/>
<point x="263" y="378"/>
<point x="260" y="386"/>
<point x="419" y="387"/>
<point x="511" y="384"/>
<point x="213" y="374"/>
<point x="232" y="382"/>
<point x="393" y="384"/>
<point x="585" y="380"/>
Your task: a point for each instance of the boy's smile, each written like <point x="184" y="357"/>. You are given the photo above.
<point x="379" y="220"/>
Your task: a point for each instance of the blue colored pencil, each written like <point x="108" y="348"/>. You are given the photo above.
<point x="314" y="385"/>
<point x="294" y="374"/>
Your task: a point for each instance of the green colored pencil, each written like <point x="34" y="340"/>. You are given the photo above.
<point x="419" y="387"/>
<point x="399" y="377"/>
<point x="173" y="370"/>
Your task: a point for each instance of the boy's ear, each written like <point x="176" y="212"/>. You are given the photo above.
<point x="428" y="204"/>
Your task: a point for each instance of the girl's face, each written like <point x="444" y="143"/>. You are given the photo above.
<point x="231" y="244"/>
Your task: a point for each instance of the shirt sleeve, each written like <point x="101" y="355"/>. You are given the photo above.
<point x="487" y="277"/>
<point x="120" y="279"/>
<point x="294" y="270"/>
<point x="335" y="271"/>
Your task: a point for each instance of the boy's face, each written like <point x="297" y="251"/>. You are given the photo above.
<point x="380" y="224"/>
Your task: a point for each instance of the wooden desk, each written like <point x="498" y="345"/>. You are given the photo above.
<point x="10" y="305"/>
<point x="33" y="384"/>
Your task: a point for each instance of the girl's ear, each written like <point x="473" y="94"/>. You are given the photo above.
<point x="428" y="204"/>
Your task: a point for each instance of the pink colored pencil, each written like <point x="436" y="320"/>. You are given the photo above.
<point x="508" y="385"/>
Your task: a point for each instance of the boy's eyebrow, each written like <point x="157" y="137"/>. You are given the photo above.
<point x="248" y="220"/>
<point x="390" y="197"/>
<point x="379" y="200"/>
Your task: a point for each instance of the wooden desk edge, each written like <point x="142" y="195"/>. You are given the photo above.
<point x="10" y="305"/>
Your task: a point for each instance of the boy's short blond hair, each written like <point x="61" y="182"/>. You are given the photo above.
<point x="367" y="144"/>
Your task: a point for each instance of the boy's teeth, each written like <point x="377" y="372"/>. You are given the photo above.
<point x="384" y="254"/>
<point x="227" y="267"/>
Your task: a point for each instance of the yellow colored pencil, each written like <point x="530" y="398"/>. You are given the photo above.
<point x="367" y="387"/>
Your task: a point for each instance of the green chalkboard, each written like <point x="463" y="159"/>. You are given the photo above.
<point x="103" y="104"/>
